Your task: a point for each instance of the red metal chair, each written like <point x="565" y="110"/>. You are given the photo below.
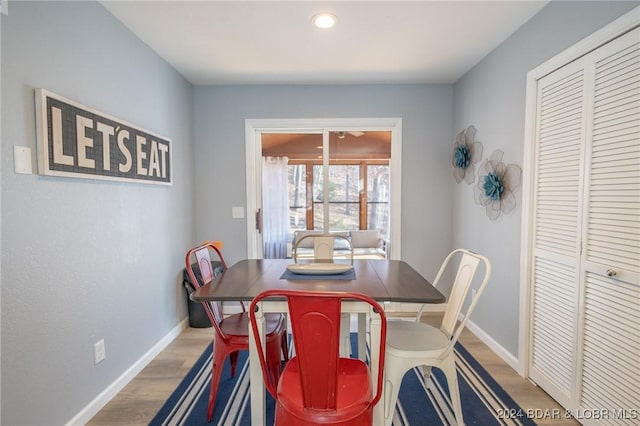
<point x="232" y="332"/>
<point x="317" y="386"/>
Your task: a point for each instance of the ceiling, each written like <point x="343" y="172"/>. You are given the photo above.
<point x="347" y="146"/>
<point x="274" y="42"/>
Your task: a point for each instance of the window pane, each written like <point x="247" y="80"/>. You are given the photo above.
<point x="318" y="216"/>
<point x="297" y="219"/>
<point x="318" y="179"/>
<point x="344" y="196"/>
<point x="344" y="183"/>
<point x="378" y="198"/>
<point x="342" y="216"/>
<point x="297" y="196"/>
<point x="378" y="217"/>
<point x="378" y="183"/>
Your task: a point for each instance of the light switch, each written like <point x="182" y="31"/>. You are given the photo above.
<point x="22" y="160"/>
<point x="237" y="212"/>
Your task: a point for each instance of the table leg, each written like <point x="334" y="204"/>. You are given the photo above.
<point x="362" y="336"/>
<point x="255" y="374"/>
<point x="375" y="327"/>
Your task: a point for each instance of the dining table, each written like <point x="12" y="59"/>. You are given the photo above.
<point x="381" y="279"/>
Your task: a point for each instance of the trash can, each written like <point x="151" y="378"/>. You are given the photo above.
<point x="197" y="316"/>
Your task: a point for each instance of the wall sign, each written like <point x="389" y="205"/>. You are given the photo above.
<point x="77" y="141"/>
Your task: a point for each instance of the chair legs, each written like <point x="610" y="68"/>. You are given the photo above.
<point x="220" y="353"/>
<point x="233" y="358"/>
<point x="274" y="363"/>
<point x="345" y="335"/>
<point x="426" y="375"/>
<point x="394" y="371"/>
<point x="285" y="347"/>
<point x="396" y="368"/>
<point x="448" y="366"/>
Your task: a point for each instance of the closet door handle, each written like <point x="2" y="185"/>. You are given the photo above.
<point x="611" y="272"/>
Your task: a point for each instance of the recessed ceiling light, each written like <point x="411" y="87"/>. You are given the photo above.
<point x="324" y="20"/>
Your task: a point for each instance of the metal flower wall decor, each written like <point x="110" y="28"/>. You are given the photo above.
<point x="466" y="153"/>
<point x="496" y="185"/>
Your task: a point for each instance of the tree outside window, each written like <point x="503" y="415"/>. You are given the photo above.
<point x="358" y="196"/>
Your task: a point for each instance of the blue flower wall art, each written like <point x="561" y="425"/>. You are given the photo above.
<point x="496" y="185"/>
<point x="466" y="153"/>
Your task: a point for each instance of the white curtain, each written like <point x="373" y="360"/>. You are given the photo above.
<point x="275" y="207"/>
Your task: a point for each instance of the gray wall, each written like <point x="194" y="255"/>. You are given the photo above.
<point x="426" y="111"/>
<point x="492" y="98"/>
<point x="82" y="259"/>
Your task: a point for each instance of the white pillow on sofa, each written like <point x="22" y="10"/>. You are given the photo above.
<point x="366" y="238"/>
<point x="341" y="243"/>
<point x="308" y="242"/>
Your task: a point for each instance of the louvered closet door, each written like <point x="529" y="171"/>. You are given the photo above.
<point x="610" y="377"/>
<point x="560" y="132"/>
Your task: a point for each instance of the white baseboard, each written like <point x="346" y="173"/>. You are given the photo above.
<point x="505" y="355"/>
<point x="112" y="390"/>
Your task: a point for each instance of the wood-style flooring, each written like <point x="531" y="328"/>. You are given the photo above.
<point x="141" y="399"/>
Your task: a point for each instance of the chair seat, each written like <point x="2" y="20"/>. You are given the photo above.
<point x="410" y="339"/>
<point x="237" y="325"/>
<point x="353" y="392"/>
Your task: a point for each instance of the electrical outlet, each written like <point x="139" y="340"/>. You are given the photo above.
<point x="99" y="352"/>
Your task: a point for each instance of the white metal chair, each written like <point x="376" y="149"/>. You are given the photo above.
<point x="412" y="343"/>
<point x="323" y="245"/>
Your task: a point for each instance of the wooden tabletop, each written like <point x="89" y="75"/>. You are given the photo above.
<point x="382" y="280"/>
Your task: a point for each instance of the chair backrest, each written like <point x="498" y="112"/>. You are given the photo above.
<point x="323" y="246"/>
<point x="462" y="284"/>
<point x="315" y="324"/>
<point x="202" y="257"/>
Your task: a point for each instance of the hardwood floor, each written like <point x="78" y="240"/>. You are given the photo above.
<point x="535" y="402"/>
<point x="139" y="401"/>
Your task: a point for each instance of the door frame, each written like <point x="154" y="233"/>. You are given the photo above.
<point x="253" y="152"/>
<point x="613" y="30"/>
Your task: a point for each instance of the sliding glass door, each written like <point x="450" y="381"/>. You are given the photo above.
<point x="337" y="179"/>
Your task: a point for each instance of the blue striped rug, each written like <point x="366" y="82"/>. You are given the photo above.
<point x="484" y="402"/>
